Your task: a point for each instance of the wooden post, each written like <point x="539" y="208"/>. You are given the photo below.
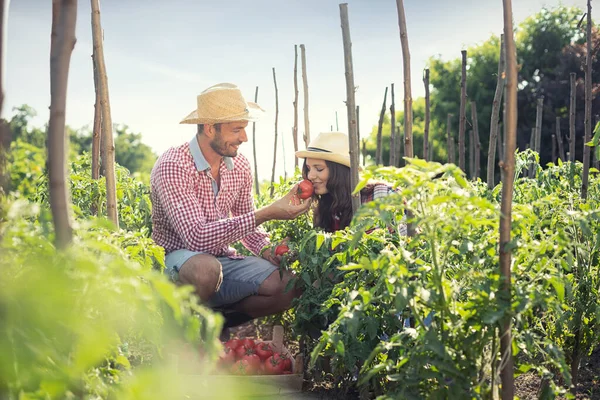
<point x="554" y="156"/>
<point x="256" y="181"/>
<point x="305" y="84"/>
<point x="495" y="118"/>
<point x="96" y="133"/>
<point x="275" y="144"/>
<point x="471" y="154"/>
<point x="358" y="123"/>
<point x="364" y="152"/>
<point x="350" y="104"/>
<point x="531" y="172"/>
<point x="538" y="125"/>
<point x="508" y="176"/>
<point x="295" y="129"/>
<point x="378" y="150"/>
<point x="107" y="133"/>
<point x="64" y="17"/>
<point x="572" y="113"/>
<point x="449" y="139"/>
<point x="588" y="112"/>
<point x="4" y="130"/>
<point x="392" y="159"/>
<point x="427" y="117"/>
<point x="462" y="122"/>
<point x="476" y="144"/>
<point x="559" y="139"/>
<point x="408" y="140"/>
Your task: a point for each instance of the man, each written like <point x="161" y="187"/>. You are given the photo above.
<point x="202" y="203"/>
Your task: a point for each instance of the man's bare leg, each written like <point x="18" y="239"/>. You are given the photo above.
<point x="204" y="272"/>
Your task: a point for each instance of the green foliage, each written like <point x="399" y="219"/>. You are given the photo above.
<point x="131" y="153"/>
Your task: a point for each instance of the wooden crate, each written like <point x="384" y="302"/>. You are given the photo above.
<point x="263" y="385"/>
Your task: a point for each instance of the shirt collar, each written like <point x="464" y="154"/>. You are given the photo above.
<point x="200" y="160"/>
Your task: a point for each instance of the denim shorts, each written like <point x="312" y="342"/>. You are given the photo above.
<point x="241" y="277"/>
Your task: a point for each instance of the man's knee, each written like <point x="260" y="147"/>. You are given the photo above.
<point x="284" y="292"/>
<point x="204" y="272"/>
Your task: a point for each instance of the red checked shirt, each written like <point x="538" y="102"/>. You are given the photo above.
<point x="189" y="210"/>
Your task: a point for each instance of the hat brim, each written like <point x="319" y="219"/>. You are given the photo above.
<point x="254" y="113"/>
<point x="321" y="155"/>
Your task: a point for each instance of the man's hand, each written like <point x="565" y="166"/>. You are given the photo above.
<point x="269" y="255"/>
<point x="288" y="207"/>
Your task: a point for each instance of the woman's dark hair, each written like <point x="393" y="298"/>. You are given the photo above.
<point x="337" y="201"/>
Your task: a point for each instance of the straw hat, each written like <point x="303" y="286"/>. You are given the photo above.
<point x="222" y="103"/>
<point x="330" y="146"/>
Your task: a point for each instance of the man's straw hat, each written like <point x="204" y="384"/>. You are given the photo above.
<point x="222" y="103"/>
<point x="330" y="146"/>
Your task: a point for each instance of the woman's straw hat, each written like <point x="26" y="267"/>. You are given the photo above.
<point x="222" y="103"/>
<point x="330" y="146"/>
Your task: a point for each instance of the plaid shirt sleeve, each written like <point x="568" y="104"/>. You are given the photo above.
<point x="258" y="239"/>
<point x="175" y="190"/>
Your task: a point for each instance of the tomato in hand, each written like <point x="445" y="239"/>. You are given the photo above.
<point x="281" y="249"/>
<point x="305" y="189"/>
<point x="273" y="365"/>
<point x="263" y="350"/>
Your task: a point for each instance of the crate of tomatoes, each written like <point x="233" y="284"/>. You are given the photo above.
<point x="264" y="367"/>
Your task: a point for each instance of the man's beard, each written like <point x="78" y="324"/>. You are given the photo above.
<point x="221" y="148"/>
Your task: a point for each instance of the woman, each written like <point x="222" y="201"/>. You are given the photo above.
<point x="327" y="166"/>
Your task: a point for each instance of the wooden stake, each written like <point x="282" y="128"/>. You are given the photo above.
<point x="476" y="144"/>
<point x="559" y="139"/>
<point x="588" y="114"/>
<point x="554" y="156"/>
<point x="96" y="133"/>
<point x="295" y="129"/>
<point x="4" y="130"/>
<point x="305" y="84"/>
<point x="427" y="117"/>
<point x="572" y="113"/>
<point x="462" y="122"/>
<point x="275" y="144"/>
<point x="508" y="176"/>
<point x="392" y="159"/>
<point x="350" y="104"/>
<point x="64" y="17"/>
<point x="495" y="119"/>
<point x="378" y="150"/>
<point x="408" y="139"/>
<point x="256" y="181"/>
<point x="538" y="125"/>
<point x="107" y="133"/>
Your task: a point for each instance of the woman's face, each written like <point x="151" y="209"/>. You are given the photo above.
<point x="317" y="173"/>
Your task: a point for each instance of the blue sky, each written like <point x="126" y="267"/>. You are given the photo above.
<point x="160" y="54"/>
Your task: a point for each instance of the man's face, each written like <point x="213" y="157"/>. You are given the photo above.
<point x="226" y="141"/>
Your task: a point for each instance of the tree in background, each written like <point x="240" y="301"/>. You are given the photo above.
<point x="131" y="152"/>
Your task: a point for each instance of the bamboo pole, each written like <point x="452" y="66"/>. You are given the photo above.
<point x="471" y="154"/>
<point x="476" y="144"/>
<point x="295" y="129"/>
<point x="358" y="123"/>
<point x="107" y="133"/>
<point x="275" y="144"/>
<point x="449" y="139"/>
<point x="462" y="122"/>
<point x="427" y="117"/>
<point x="392" y="159"/>
<point x="96" y="133"/>
<point x="4" y="130"/>
<point x="364" y="152"/>
<point x="554" y="156"/>
<point x="559" y="140"/>
<point x="64" y="17"/>
<point x="378" y="150"/>
<point x="256" y="181"/>
<point x="305" y="85"/>
<point x="495" y="118"/>
<point x="538" y="124"/>
<point x="350" y="104"/>
<point x="408" y="139"/>
<point x="572" y="113"/>
<point x="508" y="169"/>
<point x="588" y="112"/>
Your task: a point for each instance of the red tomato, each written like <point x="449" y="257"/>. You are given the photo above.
<point x="249" y="343"/>
<point x="242" y="351"/>
<point x="253" y="361"/>
<point x="305" y="189"/>
<point x="241" y="367"/>
<point x="281" y="249"/>
<point x="286" y="361"/>
<point x="273" y="365"/>
<point x="233" y="344"/>
<point x="227" y="357"/>
<point x="263" y="350"/>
